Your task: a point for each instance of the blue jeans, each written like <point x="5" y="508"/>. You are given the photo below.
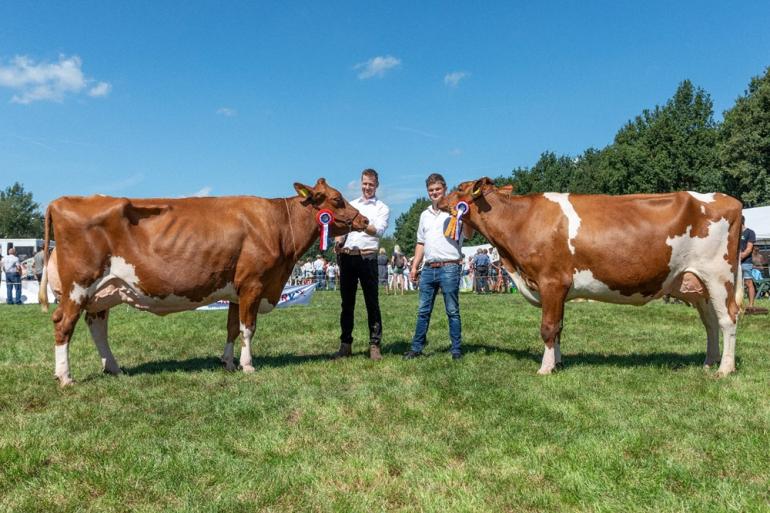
<point x="13" y="280"/>
<point x="447" y="278"/>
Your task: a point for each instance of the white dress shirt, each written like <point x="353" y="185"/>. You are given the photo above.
<point x="378" y="214"/>
<point x="430" y="232"/>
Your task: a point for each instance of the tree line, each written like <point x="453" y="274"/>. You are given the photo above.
<point x="673" y="147"/>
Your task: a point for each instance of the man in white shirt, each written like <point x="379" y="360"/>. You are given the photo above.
<point x="357" y="260"/>
<point x="442" y="270"/>
<point x="319" y="272"/>
<point x="12" y="270"/>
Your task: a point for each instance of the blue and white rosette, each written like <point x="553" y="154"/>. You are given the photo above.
<point x="324" y="218"/>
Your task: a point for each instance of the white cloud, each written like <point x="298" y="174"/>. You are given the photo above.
<point x="227" y="112"/>
<point x="377" y="66"/>
<point x="206" y="191"/>
<point x="100" y="89"/>
<point x="416" y="131"/>
<point x="455" y="152"/>
<point x="47" y="81"/>
<point x="453" y="79"/>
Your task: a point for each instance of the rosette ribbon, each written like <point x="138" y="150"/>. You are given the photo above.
<point x="324" y="218"/>
<point x="455" y="227"/>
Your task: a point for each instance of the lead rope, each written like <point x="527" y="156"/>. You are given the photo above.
<point x="291" y="226"/>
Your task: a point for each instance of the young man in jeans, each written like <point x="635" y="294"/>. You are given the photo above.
<point x="442" y="270"/>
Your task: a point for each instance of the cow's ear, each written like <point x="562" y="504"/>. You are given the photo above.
<point x="478" y="186"/>
<point x="508" y="189"/>
<point x="304" y="191"/>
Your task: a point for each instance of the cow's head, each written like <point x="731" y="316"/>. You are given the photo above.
<point x="473" y="193"/>
<point x="324" y="196"/>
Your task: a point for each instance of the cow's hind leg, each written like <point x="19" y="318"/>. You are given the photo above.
<point x="233" y="330"/>
<point x="722" y="300"/>
<point x="247" y="311"/>
<point x="709" y="318"/>
<point x="64" y="319"/>
<point x="97" y="324"/>
<point x="551" y="325"/>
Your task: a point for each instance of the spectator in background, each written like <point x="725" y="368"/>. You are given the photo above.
<point x="382" y="269"/>
<point x="307" y="272"/>
<point x="748" y="239"/>
<point x="319" y="272"/>
<point x="481" y="265"/>
<point x="38" y="264"/>
<point x="12" y="270"/>
<point x="398" y="260"/>
<point x="331" y="275"/>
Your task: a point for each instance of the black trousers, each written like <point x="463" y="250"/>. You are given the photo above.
<point x="355" y="269"/>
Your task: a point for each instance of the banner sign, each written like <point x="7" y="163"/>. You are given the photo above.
<point x="291" y="295"/>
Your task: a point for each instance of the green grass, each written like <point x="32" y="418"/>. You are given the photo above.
<point x="632" y="423"/>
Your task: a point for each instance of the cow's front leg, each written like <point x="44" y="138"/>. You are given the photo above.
<point x="248" y="320"/>
<point x="233" y="330"/>
<point x="551" y="325"/>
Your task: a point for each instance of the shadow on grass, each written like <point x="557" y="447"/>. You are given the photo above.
<point x="394" y="350"/>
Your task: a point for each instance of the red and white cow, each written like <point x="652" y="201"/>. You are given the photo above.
<point x="618" y="249"/>
<point x="170" y="255"/>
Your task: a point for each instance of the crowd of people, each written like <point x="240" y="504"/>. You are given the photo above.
<point x="482" y="273"/>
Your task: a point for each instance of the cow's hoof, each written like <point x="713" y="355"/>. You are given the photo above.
<point x="112" y="372"/>
<point x="229" y="366"/>
<point x="545" y="371"/>
<point x="724" y="372"/>
<point x="248" y="369"/>
<point x="65" y="381"/>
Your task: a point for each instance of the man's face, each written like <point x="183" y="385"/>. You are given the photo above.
<point x="436" y="191"/>
<point x="368" y="186"/>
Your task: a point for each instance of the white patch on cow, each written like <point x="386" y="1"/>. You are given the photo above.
<point x="120" y="284"/>
<point x="245" y="360"/>
<point x="573" y="219"/>
<point x="79" y="293"/>
<point x="704" y="257"/>
<point x="62" y="368"/>
<point x="530" y="295"/>
<point x="265" y="306"/>
<point x="585" y="285"/>
<point x="548" y="363"/>
<point x="705" y="198"/>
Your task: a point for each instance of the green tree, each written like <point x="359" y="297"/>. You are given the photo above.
<point x="666" y="149"/>
<point x="20" y="216"/>
<point x="744" y="144"/>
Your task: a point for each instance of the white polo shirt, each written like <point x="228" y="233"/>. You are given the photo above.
<point x="10" y="263"/>
<point x="430" y="232"/>
<point x="378" y="214"/>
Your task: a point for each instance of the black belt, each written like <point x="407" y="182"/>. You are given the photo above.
<point x="442" y="263"/>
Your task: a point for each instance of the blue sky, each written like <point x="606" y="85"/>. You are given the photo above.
<point x="168" y="99"/>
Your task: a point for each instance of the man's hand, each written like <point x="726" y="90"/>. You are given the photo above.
<point x="413" y="274"/>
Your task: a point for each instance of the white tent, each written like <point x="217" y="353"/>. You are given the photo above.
<point x="758" y="219"/>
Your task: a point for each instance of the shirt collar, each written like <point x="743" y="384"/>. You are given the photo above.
<point x="365" y="201"/>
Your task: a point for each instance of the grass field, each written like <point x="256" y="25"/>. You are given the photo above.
<point x="632" y="422"/>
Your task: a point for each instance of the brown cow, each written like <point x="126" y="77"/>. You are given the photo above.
<point x="170" y="255"/>
<point x="618" y="249"/>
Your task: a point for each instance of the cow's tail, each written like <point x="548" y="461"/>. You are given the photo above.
<point x="42" y="294"/>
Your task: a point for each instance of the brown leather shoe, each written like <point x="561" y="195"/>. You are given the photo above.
<point x="344" y="351"/>
<point x="374" y="352"/>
